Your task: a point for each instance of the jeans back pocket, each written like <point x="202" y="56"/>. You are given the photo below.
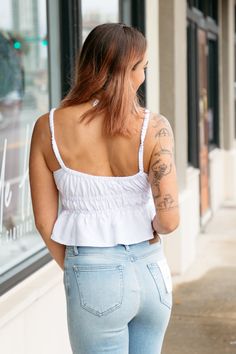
<point x="100" y="287"/>
<point x="161" y="274"/>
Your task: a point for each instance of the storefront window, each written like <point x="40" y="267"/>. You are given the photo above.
<point x="95" y="12"/>
<point x="23" y="98"/>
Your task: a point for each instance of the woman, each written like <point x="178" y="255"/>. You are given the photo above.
<point x="112" y="164"/>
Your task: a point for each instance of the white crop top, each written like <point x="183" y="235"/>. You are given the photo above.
<point x="102" y="211"/>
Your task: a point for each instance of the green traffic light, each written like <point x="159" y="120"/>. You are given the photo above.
<point x="44" y="42"/>
<point x="17" y="45"/>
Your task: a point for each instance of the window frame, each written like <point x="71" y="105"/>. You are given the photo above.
<point x="24" y="269"/>
<point x="193" y="96"/>
<point x="137" y="19"/>
<point x="201" y="19"/>
<point x="70" y="40"/>
<point x="214" y="87"/>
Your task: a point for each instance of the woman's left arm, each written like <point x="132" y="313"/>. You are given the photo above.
<point x="44" y="193"/>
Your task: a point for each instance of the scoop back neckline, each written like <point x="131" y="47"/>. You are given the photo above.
<point x="88" y="175"/>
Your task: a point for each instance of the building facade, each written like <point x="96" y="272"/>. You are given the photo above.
<point x="190" y="80"/>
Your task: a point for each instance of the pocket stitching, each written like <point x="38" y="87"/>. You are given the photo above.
<point x="84" y="268"/>
<point x="165" y="297"/>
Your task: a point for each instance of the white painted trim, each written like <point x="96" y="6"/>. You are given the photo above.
<point x="152" y="35"/>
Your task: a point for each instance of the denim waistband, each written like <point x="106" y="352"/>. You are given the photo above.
<point x="139" y="250"/>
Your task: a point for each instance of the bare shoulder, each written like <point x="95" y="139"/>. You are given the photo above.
<point x="161" y="132"/>
<point x="160" y="125"/>
<point x="41" y="131"/>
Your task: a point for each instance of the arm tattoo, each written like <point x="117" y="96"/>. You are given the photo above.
<point x="167" y="202"/>
<point x="161" y="168"/>
<point x="163" y="131"/>
<point x="163" y="164"/>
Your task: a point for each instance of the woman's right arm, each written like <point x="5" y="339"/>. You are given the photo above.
<point x="44" y="193"/>
<point x="162" y="176"/>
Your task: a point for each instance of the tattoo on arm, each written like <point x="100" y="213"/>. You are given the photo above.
<point x="160" y="169"/>
<point x="163" y="131"/>
<point x="163" y="163"/>
<point x="166" y="202"/>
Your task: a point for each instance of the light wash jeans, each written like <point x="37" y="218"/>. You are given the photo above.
<point x="119" y="298"/>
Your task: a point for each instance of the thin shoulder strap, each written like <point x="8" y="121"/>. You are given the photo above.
<point x="54" y="144"/>
<point x="143" y="134"/>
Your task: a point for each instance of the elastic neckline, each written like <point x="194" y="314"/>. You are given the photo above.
<point x="88" y="175"/>
<point x="72" y="171"/>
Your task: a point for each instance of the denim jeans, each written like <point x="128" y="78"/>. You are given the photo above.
<point x="119" y="298"/>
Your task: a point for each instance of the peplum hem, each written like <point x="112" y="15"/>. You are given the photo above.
<point x="124" y="227"/>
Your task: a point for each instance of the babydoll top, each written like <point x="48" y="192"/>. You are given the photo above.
<point x="102" y="211"/>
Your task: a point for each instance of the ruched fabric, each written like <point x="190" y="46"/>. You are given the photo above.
<point x="102" y="211"/>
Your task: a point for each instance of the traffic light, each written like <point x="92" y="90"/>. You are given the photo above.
<point x="44" y="42"/>
<point x="17" y="45"/>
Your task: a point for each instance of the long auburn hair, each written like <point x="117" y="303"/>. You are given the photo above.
<point x="103" y="69"/>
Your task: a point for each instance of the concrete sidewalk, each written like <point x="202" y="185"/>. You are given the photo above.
<point x="203" y="318"/>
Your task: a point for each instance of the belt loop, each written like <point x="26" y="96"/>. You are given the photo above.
<point x="76" y="252"/>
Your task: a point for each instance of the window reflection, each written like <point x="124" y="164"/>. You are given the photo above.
<point x="95" y="12"/>
<point x="23" y="97"/>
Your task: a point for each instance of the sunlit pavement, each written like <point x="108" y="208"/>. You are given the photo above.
<point x="203" y="318"/>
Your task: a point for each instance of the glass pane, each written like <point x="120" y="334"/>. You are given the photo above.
<point x="213" y="129"/>
<point x="212" y="9"/>
<point x="23" y="97"/>
<point x="95" y="12"/>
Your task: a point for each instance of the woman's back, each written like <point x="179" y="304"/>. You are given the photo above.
<point x="99" y="208"/>
<point x="85" y="148"/>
